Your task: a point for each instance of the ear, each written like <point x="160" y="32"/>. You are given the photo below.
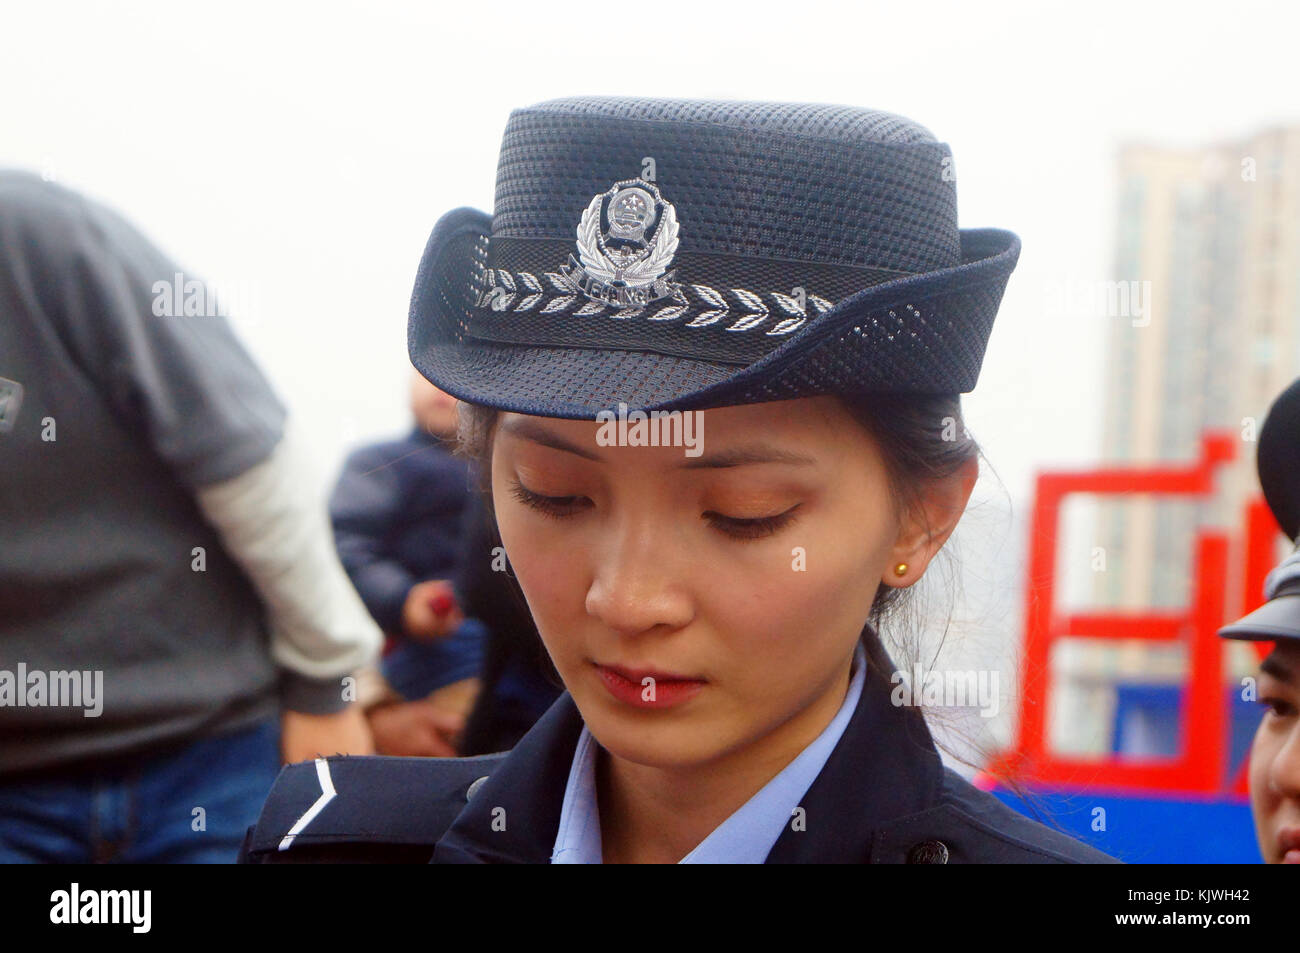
<point x="923" y="532"/>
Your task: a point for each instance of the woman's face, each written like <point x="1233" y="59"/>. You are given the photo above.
<point x="749" y="582"/>
<point x="1275" y="757"/>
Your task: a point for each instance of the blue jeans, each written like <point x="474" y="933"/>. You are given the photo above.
<point x="149" y="812"/>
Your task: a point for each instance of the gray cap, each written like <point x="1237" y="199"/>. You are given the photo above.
<point x="1279" y="618"/>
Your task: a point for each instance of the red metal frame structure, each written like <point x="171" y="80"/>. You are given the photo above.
<point x="1201" y="765"/>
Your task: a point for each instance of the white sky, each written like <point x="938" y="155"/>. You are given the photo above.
<point x="304" y="151"/>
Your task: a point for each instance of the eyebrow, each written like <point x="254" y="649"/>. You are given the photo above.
<point x="1271" y="666"/>
<point x="736" y="456"/>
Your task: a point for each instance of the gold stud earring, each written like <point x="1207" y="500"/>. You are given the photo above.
<point x="900" y="569"/>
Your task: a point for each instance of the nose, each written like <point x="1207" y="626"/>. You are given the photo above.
<point x="638" y="582"/>
<point x="1284" y="771"/>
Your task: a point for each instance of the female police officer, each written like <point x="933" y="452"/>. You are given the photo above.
<point x="787" y="283"/>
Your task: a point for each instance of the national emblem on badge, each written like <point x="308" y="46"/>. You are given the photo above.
<point x="627" y="238"/>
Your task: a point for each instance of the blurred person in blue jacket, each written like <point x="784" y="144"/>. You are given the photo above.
<point x="399" y="510"/>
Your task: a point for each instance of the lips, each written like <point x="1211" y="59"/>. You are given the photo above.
<point x="648" y="688"/>
<point x="1288" y="841"/>
<point x="639" y="675"/>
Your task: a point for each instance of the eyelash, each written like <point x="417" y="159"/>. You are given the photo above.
<point x="558" y="507"/>
<point x="1273" y="704"/>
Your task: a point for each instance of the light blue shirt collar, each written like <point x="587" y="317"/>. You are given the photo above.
<point x="747" y="836"/>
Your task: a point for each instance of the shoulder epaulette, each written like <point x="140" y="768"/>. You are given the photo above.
<point x="363" y="809"/>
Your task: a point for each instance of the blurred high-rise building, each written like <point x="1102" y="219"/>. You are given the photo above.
<point x="1214" y="234"/>
<point x="1203" y="306"/>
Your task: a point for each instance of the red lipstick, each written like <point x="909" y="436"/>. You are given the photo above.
<point x="648" y="688"/>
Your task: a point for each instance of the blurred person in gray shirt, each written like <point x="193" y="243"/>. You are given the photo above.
<point x="173" y="617"/>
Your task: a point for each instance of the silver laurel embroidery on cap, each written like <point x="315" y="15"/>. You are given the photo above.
<point x="623" y="264"/>
<point x="713" y="305"/>
<point x="626" y="240"/>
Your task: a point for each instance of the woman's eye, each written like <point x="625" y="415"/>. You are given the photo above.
<point x="1278" y="706"/>
<point x="561" y="506"/>
<point x="556" y="506"/>
<point x="751" y="528"/>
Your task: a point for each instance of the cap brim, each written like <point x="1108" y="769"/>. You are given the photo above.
<point x="576" y="383"/>
<point x="1279" y="618"/>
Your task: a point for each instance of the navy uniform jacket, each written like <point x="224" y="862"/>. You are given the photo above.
<point x="883" y="796"/>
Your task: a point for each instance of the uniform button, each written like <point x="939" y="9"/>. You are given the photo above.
<point x="928" y="852"/>
<point x="473" y="788"/>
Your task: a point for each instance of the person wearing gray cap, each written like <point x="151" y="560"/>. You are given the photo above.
<point x="1274" y="771"/>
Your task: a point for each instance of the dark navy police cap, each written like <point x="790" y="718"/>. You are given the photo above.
<point x="685" y="254"/>
<point x="1278" y="461"/>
